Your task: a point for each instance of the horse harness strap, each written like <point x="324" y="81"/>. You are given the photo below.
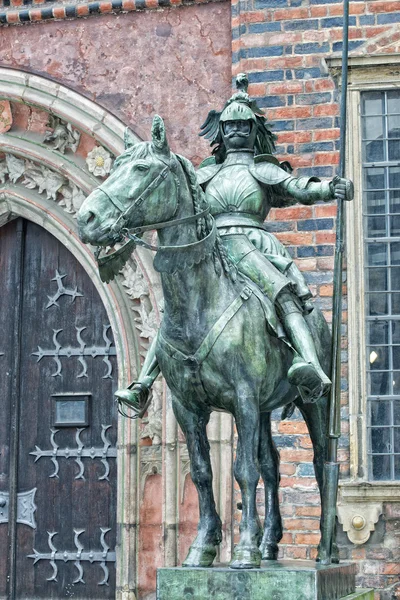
<point x="145" y="194"/>
<point x="165" y="224"/>
<point x="125" y="212"/>
<point x="206" y="345"/>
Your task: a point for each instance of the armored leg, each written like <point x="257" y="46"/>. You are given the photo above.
<point x="136" y="394"/>
<point x="306" y="371"/>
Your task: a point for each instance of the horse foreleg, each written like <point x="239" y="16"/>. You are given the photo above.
<point x="204" y="548"/>
<point x="315" y="416"/>
<point x="268" y="457"/>
<point x="246" y="554"/>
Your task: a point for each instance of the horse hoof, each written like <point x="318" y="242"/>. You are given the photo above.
<point x="246" y="558"/>
<point x="200" y="556"/>
<point x="269" y="551"/>
<point x="324" y="559"/>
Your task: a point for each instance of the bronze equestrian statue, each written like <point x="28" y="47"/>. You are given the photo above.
<point x="239" y="332"/>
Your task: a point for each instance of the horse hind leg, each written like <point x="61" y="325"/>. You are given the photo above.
<point x="204" y="548"/>
<point x="268" y="457"/>
<point x="316" y="417"/>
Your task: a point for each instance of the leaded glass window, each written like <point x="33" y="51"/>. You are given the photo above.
<point x="380" y="120"/>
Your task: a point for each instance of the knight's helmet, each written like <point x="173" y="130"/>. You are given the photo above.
<point x="239" y="108"/>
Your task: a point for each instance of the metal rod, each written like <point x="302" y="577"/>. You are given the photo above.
<point x="15" y="410"/>
<point x="334" y="414"/>
<point x="331" y="471"/>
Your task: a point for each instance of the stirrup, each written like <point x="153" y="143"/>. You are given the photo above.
<point x="311" y="382"/>
<point x="138" y="400"/>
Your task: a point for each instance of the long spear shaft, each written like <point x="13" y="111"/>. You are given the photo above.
<point x="331" y="473"/>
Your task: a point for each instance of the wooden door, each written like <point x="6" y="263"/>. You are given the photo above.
<point x="58" y="424"/>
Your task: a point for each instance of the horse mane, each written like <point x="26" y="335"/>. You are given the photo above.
<point x="204" y="224"/>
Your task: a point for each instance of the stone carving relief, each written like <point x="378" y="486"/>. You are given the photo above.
<point x="3" y="171"/>
<point x="99" y="161"/>
<point x="153" y="421"/>
<point x="146" y="323"/>
<point x="6" y="118"/>
<point x="72" y="197"/>
<point x="15" y="167"/>
<point x="359" y="520"/>
<point x="36" y="176"/>
<point x="44" y="179"/>
<point x="151" y="464"/>
<point x="62" y="136"/>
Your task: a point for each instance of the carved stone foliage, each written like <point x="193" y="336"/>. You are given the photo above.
<point x="99" y="161"/>
<point x="359" y="520"/>
<point x="152" y="423"/>
<point x="145" y="317"/>
<point x="146" y="323"/>
<point x="46" y="181"/>
<point x="42" y="178"/>
<point x="62" y="136"/>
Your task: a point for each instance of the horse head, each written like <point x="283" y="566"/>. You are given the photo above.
<point x="140" y="190"/>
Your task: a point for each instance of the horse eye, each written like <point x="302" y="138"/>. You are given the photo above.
<point x="142" y="167"/>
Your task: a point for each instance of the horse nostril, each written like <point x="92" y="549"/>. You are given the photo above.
<point x="90" y="218"/>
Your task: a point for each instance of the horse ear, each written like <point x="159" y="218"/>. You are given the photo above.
<point x="129" y="138"/>
<point x="159" y="136"/>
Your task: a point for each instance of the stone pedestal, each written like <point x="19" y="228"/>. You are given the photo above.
<point x="276" y="580"/>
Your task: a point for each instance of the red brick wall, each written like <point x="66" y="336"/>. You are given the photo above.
<point x="282" y="46"/>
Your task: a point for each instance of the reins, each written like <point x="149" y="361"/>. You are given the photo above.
<point x="132" y="234"/>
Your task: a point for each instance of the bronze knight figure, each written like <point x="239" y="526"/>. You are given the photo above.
<point x="239" y="332"/>
<point x="242" y="182"/>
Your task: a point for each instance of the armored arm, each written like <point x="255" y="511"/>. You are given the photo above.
<point x="307" y="190"/>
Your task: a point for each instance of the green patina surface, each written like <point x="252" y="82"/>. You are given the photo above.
<point x="279" y="580"/>
<point x="361" y="595"/>
<point x="239" y="333"/>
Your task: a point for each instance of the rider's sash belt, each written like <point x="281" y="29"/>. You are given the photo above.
<point x="206" y="345"/>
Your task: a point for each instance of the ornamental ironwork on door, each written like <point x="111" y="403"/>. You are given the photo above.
<point x="58" y="428"/>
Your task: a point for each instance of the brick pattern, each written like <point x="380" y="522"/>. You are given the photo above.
<point x="18" y="12"/>
<point x="282" y="45"/>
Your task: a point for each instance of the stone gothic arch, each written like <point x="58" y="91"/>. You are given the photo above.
<point x="46" y="182"/>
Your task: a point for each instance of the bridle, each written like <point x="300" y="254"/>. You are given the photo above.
<point x="118" y="227"/>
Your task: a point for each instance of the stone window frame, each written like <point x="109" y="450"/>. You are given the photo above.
<point x="366" y="73"/>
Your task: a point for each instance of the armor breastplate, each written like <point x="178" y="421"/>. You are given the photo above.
<point x="234" y="190"/>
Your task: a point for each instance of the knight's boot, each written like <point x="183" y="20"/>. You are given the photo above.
<point x="306" y="372"/>
<point x="136" y="395"/>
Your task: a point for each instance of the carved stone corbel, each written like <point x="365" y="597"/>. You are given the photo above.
<point x="359" y="519"/>
<point x="151" y="464"/>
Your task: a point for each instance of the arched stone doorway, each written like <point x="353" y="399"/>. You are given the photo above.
<point x="45" y="181"/>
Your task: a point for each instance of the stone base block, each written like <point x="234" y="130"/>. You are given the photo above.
<point x="276" y="580"/>
<point x="361" y="595"/>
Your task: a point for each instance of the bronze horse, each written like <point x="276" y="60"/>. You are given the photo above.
<point x="215" y="347"/>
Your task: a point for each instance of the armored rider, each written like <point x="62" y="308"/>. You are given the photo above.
<point x="242" y="182"/>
